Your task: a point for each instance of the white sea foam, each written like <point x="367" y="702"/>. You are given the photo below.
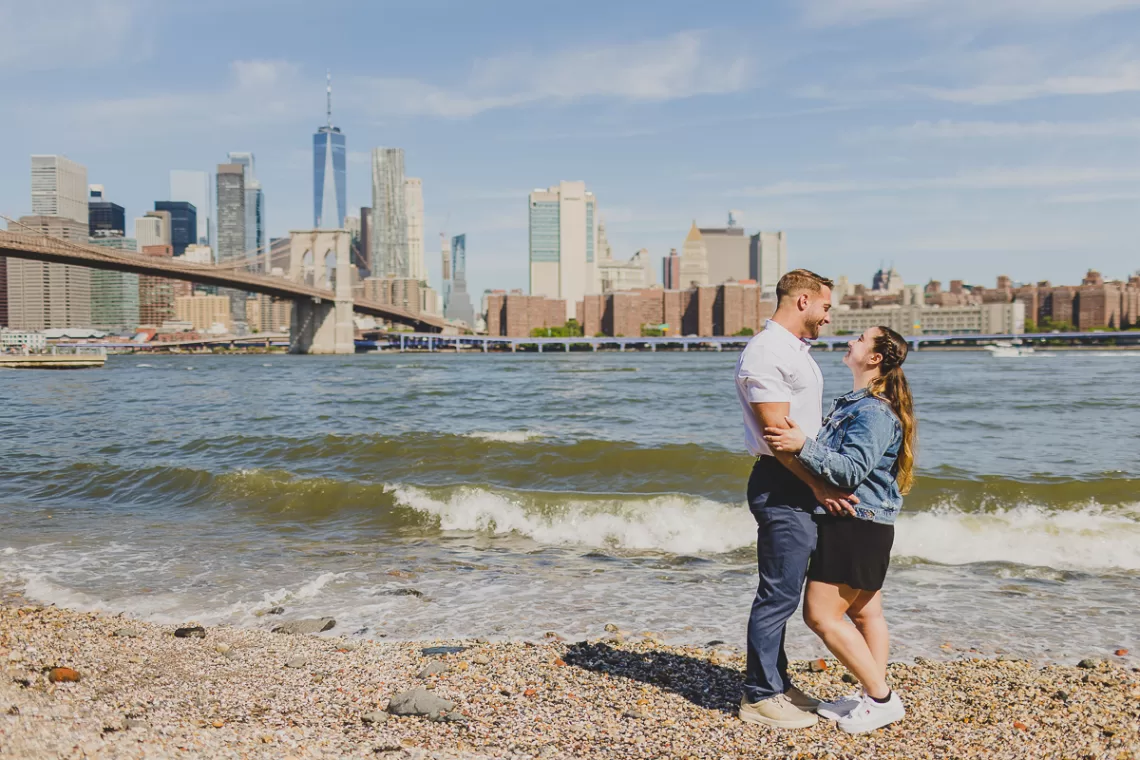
<point x="674" y="523"/>
<point x="505" y="436"/>
<point x="9" y="550"/>
<point x="1087" y="539"/>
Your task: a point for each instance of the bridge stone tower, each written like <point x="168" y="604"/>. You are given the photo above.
<point x="321" y="258"/>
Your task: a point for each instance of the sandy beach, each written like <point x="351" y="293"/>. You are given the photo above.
<point x="144" y="692"/>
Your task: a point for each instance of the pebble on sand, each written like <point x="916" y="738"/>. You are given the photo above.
<point x="306" y="625"/>
<point x="419" y="701"/>
<point x="190" y="632"/>
<point x="296" y="662"/>
<point x="63" y="675"/>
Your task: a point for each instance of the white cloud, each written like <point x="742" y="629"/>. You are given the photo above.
<point x="998" y="178"/>
<point x="964" y="130"/>
<point x="60" y="34"/>
<point x="837" y="12"/>
<point x="1110" y="80"/>
<point x="679" y="66"/>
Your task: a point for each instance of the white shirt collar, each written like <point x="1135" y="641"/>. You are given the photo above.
<point x="786" y="335"/>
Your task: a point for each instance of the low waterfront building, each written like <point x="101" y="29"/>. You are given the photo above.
<point x="731" y="308"/>
<point x="918" y="319"/>
<point x="20" y="339"/>
<point x="517" y="315"/>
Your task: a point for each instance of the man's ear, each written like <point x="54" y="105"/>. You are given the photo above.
<point x="802" y="301"/>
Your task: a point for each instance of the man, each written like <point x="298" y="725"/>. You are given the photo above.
<point x="777" y="379"/>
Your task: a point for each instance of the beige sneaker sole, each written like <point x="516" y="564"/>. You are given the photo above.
<point x="750" y="716"/>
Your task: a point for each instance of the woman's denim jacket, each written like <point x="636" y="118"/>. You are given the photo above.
<point x="857" y="450"/>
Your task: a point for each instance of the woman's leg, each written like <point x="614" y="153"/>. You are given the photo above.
<point x="825" y="604"/>
<point x="867" y="615"/>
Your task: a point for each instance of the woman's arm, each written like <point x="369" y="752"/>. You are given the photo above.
<point x="869" y="434"/>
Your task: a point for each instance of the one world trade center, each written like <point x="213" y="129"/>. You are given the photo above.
<point x="328" y="172"/>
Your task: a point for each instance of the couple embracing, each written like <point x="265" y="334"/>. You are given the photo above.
<point x="825" y="494"/>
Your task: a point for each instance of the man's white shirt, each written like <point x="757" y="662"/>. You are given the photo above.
<point x="774" y="367"/>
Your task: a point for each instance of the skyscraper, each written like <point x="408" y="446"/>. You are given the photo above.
<point x="694" y="260"/>
<point x="194" y="187"/>
<point x="231" y="228"/>
<point x="671" y="270"/>
<point x="59" y="188"/>
<point x="153" y="228"/>
<point x="114" y="295"/>
<point x="414" y="205"/>
<point x="328" y="171"/>
<point x="445" y="255"/>
<point x="727" y="249"/>
<point x="105" y="219"/>
<point x="183" y="223"/>
<point x="563" y="237"/>
<point x="768" y="259"/>
<point x="44" y="295"/>
<point x="459" y="302"/>
<point x="254" y="207"/>
<point x="389" y="228"/>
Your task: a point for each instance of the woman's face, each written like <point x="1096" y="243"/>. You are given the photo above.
<point x="861" y="354"/>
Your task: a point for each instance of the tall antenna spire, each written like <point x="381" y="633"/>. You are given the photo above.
<point x="328" y="95"/>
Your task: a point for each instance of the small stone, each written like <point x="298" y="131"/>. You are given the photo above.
<point x="275" y="611"/>
<point x="636" y="714"/>
<point x="611" y="628"/>
<point x="435" y="651"/>
<point x="714" y="643"/>
<point x="296" y="662"/>
<point x="418" y="701"/>
<point x="448" y="717"/>
<point x="15" y="656"/>
<point x="376" y="716"/>
<point x="1020" y="726"/>
<point x="218" y="723"/>
<point x="434" y="669"/>
<point x="818" y="666"/>
<point x="1120" y="652"/>
<point x="63" y="675"/>
<point x="190" y="632"/>
<point x="850" y="678"/>
<point x="1061" y="694"/>
<point x="222" y="648"/>
<point x="134" y="723"/>
<point x="13" y="710"/>
<point x="553" y="636"/>
<point x="135" y="659"/>
<point x="127" y="633"/>
<point x="347" y="646"/>
<point x="481" y="659"/>
<point x="462" y="666"/>
<point x="406" y="592"/>
<point x="306" y="625"/>
<point x="1088" y="663"/>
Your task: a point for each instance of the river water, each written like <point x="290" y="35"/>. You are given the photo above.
<point x="432" y="496"/>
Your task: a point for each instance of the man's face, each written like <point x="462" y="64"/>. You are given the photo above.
<point x="818" y="311"/>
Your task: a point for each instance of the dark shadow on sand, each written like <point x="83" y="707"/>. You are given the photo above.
<point x="712" y="687"/>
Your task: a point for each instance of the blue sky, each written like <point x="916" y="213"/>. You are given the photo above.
<point x="955" y="138"/>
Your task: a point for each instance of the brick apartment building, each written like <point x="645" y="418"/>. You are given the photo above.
<point x="516" y="315"/>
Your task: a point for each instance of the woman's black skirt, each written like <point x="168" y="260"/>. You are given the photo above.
<point x="851" y="551"/>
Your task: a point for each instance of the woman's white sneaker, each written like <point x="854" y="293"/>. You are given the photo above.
<point x="869" y="715"/>
<point x="840" y="707"/>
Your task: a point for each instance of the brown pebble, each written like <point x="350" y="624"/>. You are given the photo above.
<point x="530" y="692"/>
<point x="1120" y="652"/>
<point x="818" y="666"/>
<point x="1020" y="726"/>
<point x="218" y="723"/>
<point x="63" y="675"/>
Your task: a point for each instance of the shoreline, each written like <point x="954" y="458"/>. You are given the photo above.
<point x="239" y="692"/>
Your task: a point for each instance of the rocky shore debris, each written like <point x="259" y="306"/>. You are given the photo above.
<point x="434" y="669"/>
<point x="439" y="651"/>
<point x="190" y="632"/>
<point x="515" y="700"/>
<point x="127" y="633"/>
<point x="306" y="626"/>
<point x="296" y="662"/>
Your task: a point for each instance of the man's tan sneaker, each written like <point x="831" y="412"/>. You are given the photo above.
<point x="801" y="700"/>
<point x="777" y="712"/>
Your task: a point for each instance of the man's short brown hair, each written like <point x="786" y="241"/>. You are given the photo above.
<point x="799" y="280"/>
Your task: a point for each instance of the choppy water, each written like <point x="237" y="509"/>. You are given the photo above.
<point x="433" y="496"/>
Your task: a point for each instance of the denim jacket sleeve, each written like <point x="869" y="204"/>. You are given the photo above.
<point x="868" y="436"/>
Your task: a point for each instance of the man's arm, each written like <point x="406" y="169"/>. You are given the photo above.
<point x="835" y="500"/>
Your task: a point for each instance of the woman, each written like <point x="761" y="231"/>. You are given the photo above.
<point x="866" y="445"/>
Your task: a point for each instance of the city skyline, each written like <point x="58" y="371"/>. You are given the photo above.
<point x="977" y="135"/>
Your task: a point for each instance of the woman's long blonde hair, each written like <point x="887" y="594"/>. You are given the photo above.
<point x="891" y="386"/>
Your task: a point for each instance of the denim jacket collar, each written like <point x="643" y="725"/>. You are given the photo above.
<point x="855" y="395"/>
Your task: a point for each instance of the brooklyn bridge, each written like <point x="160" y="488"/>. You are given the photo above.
<point x="313" y="279"/>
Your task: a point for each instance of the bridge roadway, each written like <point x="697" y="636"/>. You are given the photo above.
<point x="52" y="250"/>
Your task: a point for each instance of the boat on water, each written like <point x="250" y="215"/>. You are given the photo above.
<point x="89" y="359"/>
<point x="1005" y="349"/>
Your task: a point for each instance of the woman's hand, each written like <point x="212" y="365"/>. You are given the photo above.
<point x="790" y="439"/>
